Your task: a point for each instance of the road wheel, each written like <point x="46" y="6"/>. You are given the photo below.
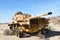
<point x="45" y="32"/>
<point x="20" y="34"/>
<point x="41" y="35"/>
<point x="17" y="33"/>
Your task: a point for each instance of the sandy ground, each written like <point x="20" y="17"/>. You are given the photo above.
<point x="53" y="35"/>
<point x="2" y="37"/>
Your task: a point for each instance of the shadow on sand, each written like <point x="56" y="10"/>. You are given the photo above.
<point x="53" y="33"/>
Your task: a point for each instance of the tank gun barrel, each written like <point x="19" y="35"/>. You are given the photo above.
<point x="45" y="14"/>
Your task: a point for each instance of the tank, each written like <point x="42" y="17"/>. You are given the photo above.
<point x="33" y="25"/>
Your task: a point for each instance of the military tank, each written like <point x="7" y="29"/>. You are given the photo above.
<point x="34" y="25"/>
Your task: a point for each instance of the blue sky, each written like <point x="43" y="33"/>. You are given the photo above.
<point x="33" y="7"/>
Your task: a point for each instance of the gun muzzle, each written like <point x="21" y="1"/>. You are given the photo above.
<point x="49" y="13"/>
